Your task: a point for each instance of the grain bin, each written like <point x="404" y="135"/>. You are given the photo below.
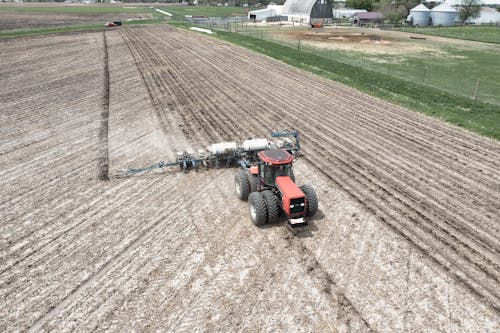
<point x="443" y="15"/>
<point x="419" y="15"/>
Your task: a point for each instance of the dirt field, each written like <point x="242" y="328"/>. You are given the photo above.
<point x="406" y="238"/>
<point x="371" y="41"/>
<point x="14" y="20"/>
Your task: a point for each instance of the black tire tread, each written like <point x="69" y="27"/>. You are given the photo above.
<point x="241" y="180"/>
<point x="312" y="200"/>
<point x="254" y="182"/>
<point x="259" y="202"/>
<point x="273" y="209"/>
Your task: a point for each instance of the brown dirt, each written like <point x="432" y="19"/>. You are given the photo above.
<point x="406" y="238"/>
<point x="26" y="20"/>
<point x="367" y="40"/>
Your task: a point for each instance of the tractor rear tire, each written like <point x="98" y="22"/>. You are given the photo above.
<point x="254" y="182"/>
<point x="273" y="208"/>
<point x="258" y="208"/>
<point x="312" y="200"/>
<point x="242" y="185"/>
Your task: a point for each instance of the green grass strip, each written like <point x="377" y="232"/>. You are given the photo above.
<point x="486" y="34"/>
<point x="479" y="117"/>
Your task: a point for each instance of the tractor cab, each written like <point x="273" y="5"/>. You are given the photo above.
<point x="274" y="163"/>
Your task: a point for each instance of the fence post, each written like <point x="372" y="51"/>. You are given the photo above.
<point x="475" y="90"/>
<point x="298" y="45"/>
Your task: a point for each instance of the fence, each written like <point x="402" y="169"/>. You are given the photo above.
<point x="472" y="82"/>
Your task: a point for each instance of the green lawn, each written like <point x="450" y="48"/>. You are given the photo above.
<point x="456" y="71"/>
<point x="476" y="116"/>
<point x="489" y="34"/>
<point x="463" y="68"/>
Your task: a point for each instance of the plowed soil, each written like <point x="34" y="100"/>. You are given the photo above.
<point x="27" y="20"/>
<point x="406" y="238"/>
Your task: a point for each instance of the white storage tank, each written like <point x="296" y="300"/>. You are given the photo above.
<point x="443" y="15"/>
<point x="222" y="148"/>
<point x="255" y="144"/>
<point x="419" y="15"/>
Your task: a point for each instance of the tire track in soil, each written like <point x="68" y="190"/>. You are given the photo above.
<point x="104" y="131"/>
<point x="164" y="122"/>
<point x="152" y="231"/>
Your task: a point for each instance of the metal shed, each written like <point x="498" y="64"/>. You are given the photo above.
<point x="369" y="18"/>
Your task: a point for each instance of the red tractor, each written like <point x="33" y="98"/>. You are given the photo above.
<point x="270" y="188"/>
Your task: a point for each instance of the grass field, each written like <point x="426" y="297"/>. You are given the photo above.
<point x="474" y="115"/>
<point x="488" y="34"/>
<point x="459" y="67"/>
<point x="456" y="71"/>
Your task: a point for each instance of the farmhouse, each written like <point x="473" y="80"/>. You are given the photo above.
<point x="486" y="16"/>
<point x="368" y="18"/>
<point x="308" y="11"/>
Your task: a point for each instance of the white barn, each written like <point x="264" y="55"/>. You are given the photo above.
<point x="307" y="11"/>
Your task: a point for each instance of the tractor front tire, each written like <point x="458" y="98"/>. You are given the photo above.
<point x="258" y="208"/>
<point x="242" y="185"/>
<point x="273" y="208"/>
<point x="312" y="200"/>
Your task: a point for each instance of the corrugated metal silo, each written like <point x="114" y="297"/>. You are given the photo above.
<point x="443" y="15"/>
<point x="420" y="15"/>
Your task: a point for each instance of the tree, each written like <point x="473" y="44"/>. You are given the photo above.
<point x="394" y="11"/>
<point x="360" y="4"/>
<point x="469" y="9"/>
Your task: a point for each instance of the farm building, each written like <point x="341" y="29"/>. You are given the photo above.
<point x="346" y="12"/>
<point x="367" y="18"/>
<point x="487" y="16"/>
<point x="455" y="3"/>
<point x="308" y="11"/>
<point x="419" y="15"/>
<point x="263" y="14"/>
<point x="443" y="15"/>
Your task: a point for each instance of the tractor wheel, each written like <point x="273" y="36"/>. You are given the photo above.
<point x="254" y="182"/>
<point x="258" y="208"/>
<point x="312" y="200"/>
<point x="242" y="185"/>
<point x="273" y="208"/>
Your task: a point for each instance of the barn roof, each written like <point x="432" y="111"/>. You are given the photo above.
<point x="298" y="6"/>
<point x="370" y="15"/>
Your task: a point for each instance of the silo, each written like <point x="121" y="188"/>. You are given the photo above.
<point x="420" y="15"/>
<point x="443" y="15"/>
